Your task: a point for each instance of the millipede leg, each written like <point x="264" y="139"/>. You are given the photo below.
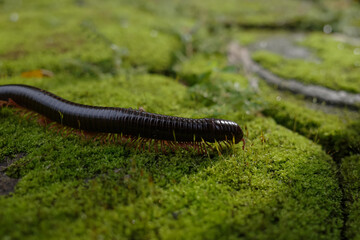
<point x="188" y="146"/>
<point x="103" y="138"/>
<point x="156" y="144"/>
<point x="162" y="146"/>
<point x="209" y="145"/>
<point x="149" y="144"/>
<point x="119" y="138"/>
<point x="69" y="131"/>
<point x="145" y="142"/>
<point x="175" y="145"/>
<point x="169" y="144"/>
<point x="13" y="104"/>
<point x="220" y="146"/>
<point x="126" y="139"/>
<point x="196" y="147"/>
<point x="139" y="144"/>
<point x="227" y="143"/>
<point x="112" y="138"/>
<point x="4" y="104"/>
<point x="132" y="141"/>
<point x="203" y="147"/>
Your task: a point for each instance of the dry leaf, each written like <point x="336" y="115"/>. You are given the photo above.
<point x="39" y="73"/>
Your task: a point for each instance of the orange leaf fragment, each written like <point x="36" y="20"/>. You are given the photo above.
<point x="39" y="73"/>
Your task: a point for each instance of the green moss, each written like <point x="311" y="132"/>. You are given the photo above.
<point x="216" y="88"/>
<point x="247" y="37"/>
<point x="106" y="37"/>
<point x="338" y="69"/>
<point x="282" y="186"/>
<point x="281" y="182"/>
<point x="350" y="171"/>
<point x="199" y="67"/>
<point x="261" y="13"/>
<point x="337" y="134"/>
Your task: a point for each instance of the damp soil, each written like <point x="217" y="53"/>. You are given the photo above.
<point x="7" y="184"/>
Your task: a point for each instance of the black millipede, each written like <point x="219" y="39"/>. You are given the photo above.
<point x="136" y="127"/>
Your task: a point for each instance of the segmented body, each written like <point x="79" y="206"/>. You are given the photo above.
<point x="124" y="121"/>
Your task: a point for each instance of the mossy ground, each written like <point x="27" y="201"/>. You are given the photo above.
<point x="350" y="170"/>
<point x="94" y="188"/>
<point x="338" y="66"/>
<point x="168" y="58"/>
<point x="337" y="131"/>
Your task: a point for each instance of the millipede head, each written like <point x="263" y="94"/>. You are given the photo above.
<point x="224" y="130"/>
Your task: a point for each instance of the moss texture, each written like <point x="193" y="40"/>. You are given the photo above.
<point x="71" y="188"/>
<point x="338" y="66"/>
<point x="101" y="39"/>
<point x="168" y="57"/>
<point x="350" y="170"/>
<point x="338" y="135"/>
<point x="280" y="182"/>
<point x="305" y="15"/>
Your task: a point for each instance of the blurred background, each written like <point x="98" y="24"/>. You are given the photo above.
<point x="105" y="37"/>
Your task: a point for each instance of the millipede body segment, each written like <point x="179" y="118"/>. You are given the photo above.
<point x="130" y="123"/>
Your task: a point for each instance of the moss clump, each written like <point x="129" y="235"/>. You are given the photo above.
<point x="340" y="137"/>
<point x="218" y="89"/>
<point x="339" y="67"/>
<point x="350" y="172"/>
<point x="199" y="67"/>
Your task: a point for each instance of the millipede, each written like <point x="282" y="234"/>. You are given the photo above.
<point x="136" y="128"/>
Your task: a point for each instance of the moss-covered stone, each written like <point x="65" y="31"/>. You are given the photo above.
<point x="281" y="186"/>
<point x="338" y="67"/>
<point x="350" y="172"/>
<point x="306" y="15"/>
<point x="101" y="38"/>
<point x="337" y="134"/>
<point x="199" y="67"/>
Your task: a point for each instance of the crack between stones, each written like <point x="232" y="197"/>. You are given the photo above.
<point x="238" y="55"/>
